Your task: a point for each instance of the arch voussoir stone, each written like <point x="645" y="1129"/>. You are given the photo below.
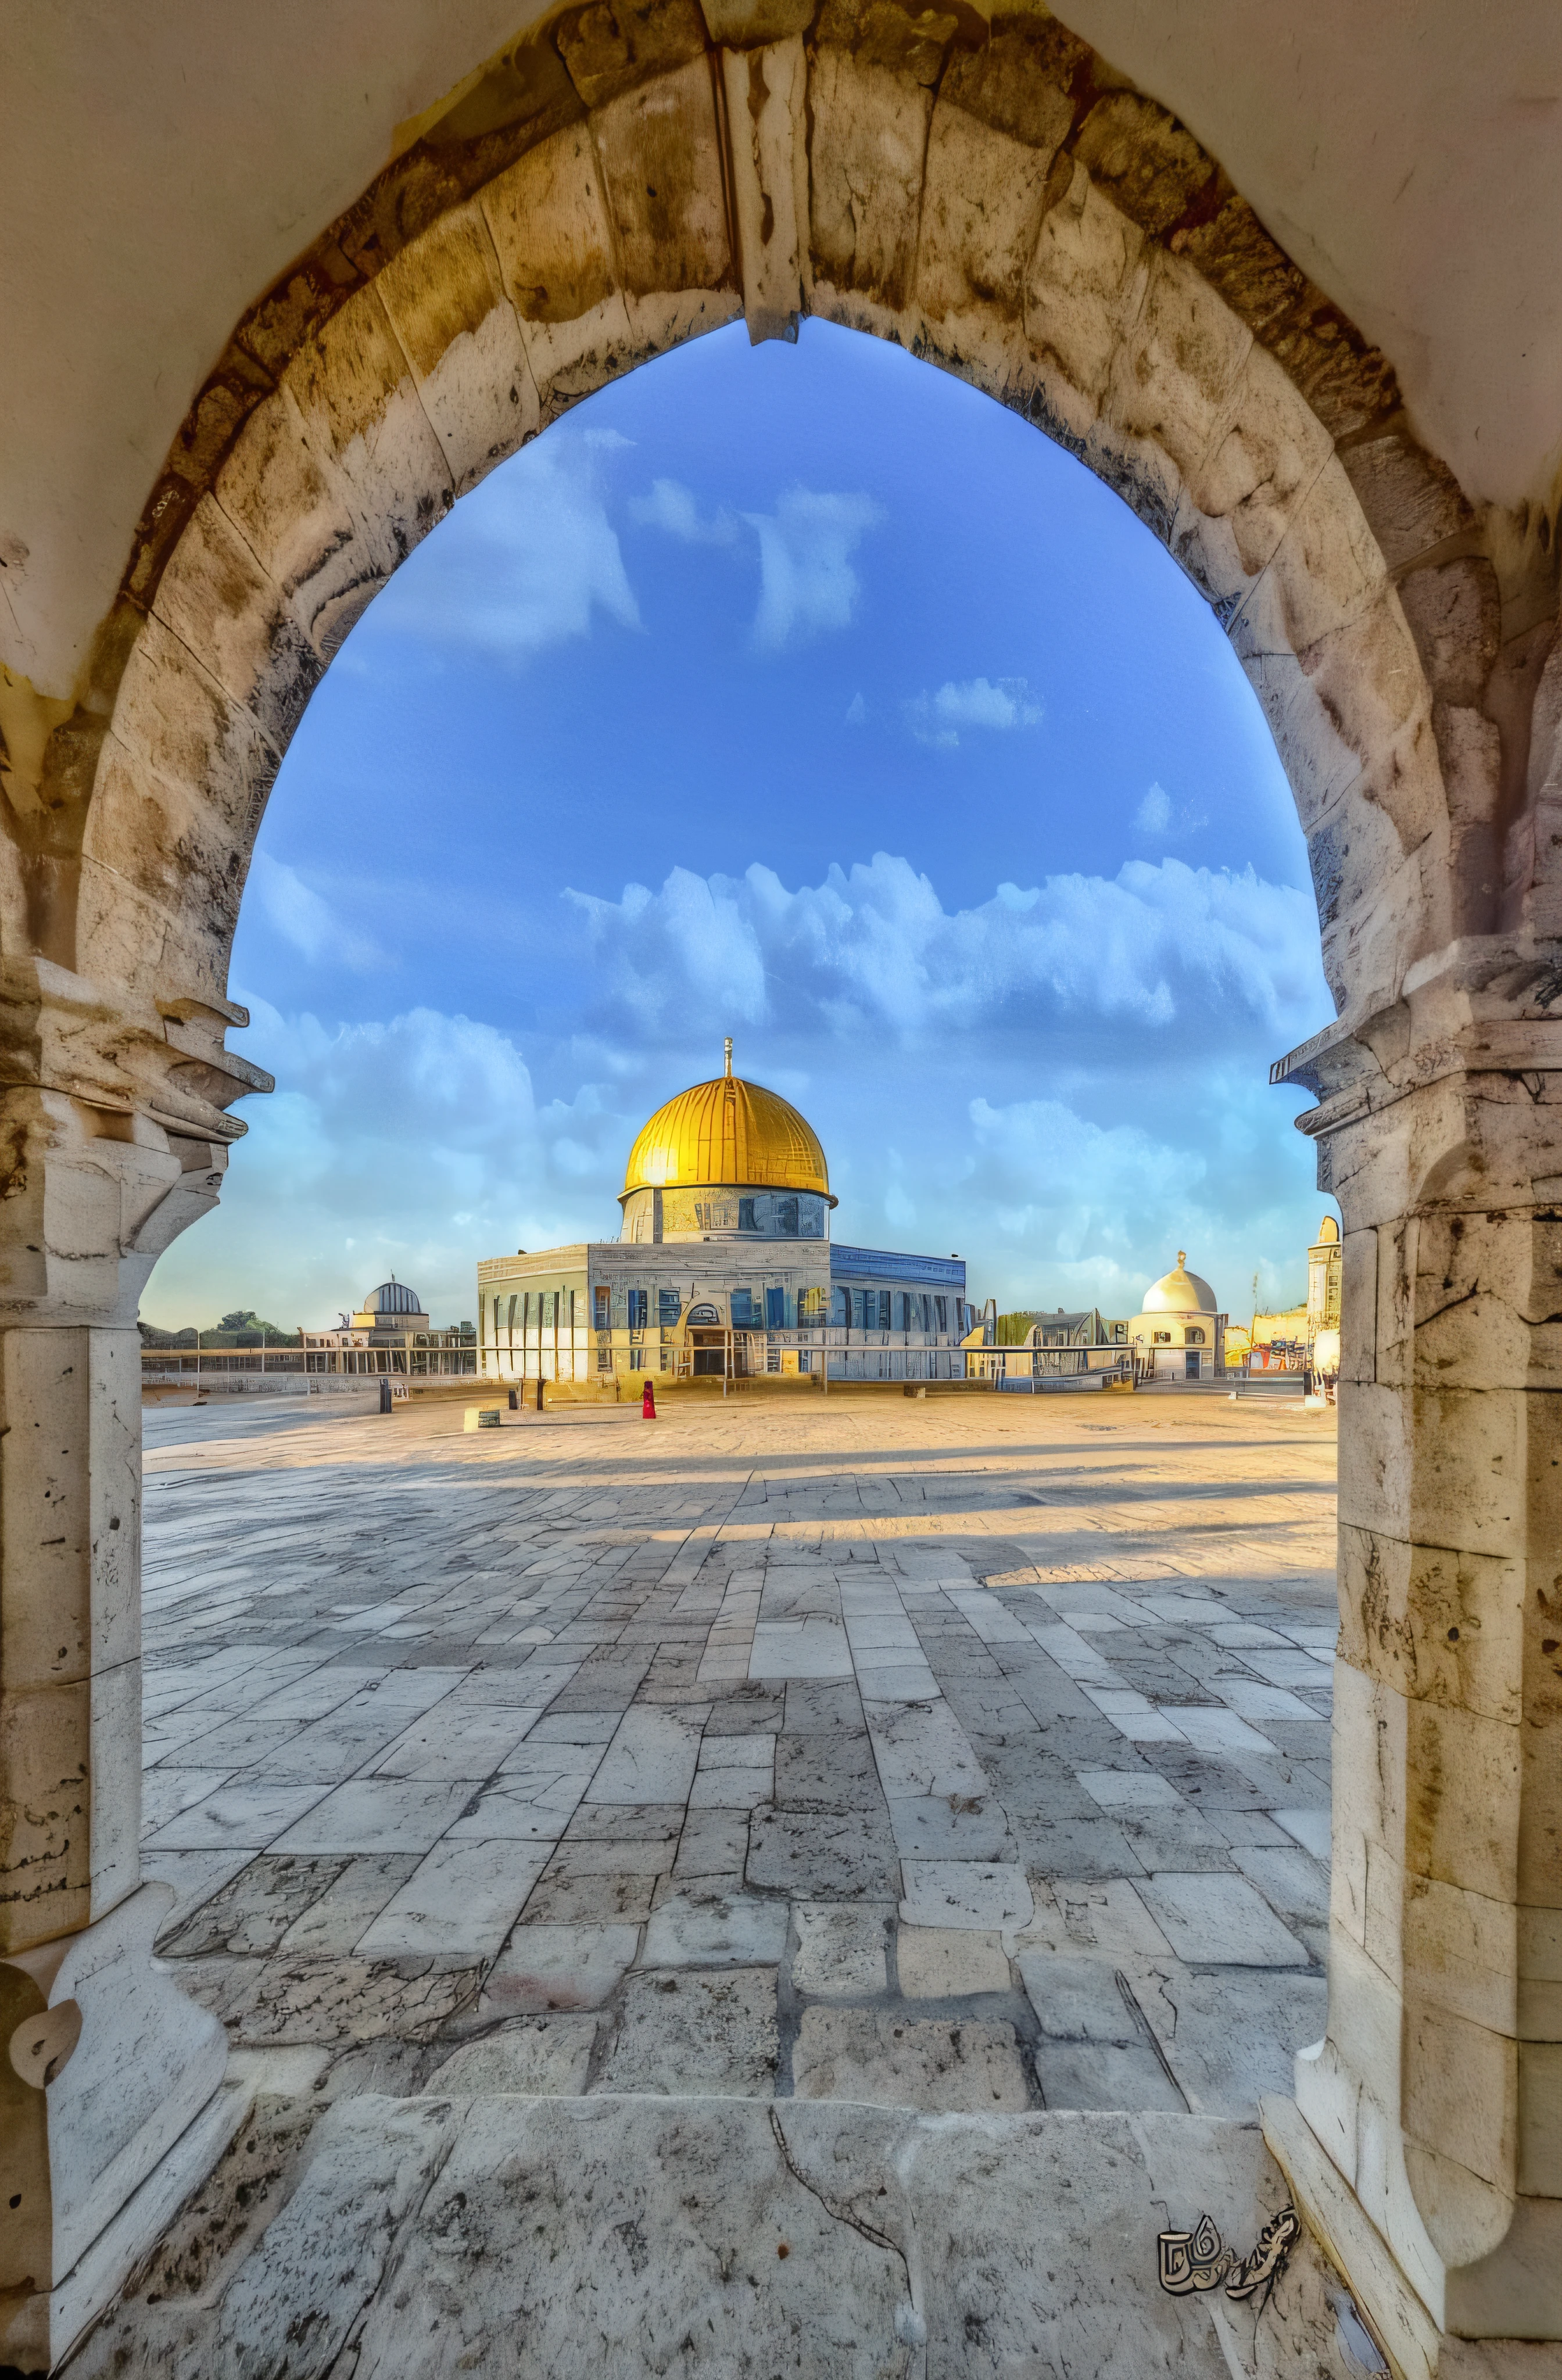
<point x="991" y="196"/>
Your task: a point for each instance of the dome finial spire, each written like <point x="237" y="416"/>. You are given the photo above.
<point x="727" y="1047"/>
<point x="1182" y="1256"/>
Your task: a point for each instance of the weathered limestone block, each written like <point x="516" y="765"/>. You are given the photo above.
<point x="767" y="126"/>
<point x="1455" y="612"/>
<point x="1326" y="573"/>
<point x="446" y="304"/>
<point x="662" y="169"/>
<point x="1413" y="502"/>
<point x="997" y="129"/>
<point x="874" y="72"/>
<point x="218" y="602"/>
<point x="290" y="512"/>
<point x="198" y="758"/>
<point x="1243" y="493"/>
<point x="112" y="2113"/>
<point x="1148" y="165"/>
<point x="613" y="44"/>
<point x="1083" y="289"/>
<point x="1534" y="864"/>
<point x="1171" y="383"/>
<point x="363" y="419"/>
<point x="71" y="1611"/>
<point x="550" y="230"/>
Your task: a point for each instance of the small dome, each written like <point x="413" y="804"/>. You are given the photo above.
<point x="1179" y="1292"/>
<point x="730" y="1133"/>
<point x="392" y="1297"/>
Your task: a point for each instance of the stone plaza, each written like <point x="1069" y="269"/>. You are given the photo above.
<point x="965" y="1756"/>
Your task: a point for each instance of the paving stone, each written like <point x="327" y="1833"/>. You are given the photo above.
<point x="462" y="1898"/>
<point x="254" y="1911"/>
<point x="1096" y="2048"/>
<point x="1104" y="1917"/>
<point x="1310" y="1829"/>
<point x="1295" y="1888"/>
<point x="335" y="1923"/>
<point x="940" y="1962"/>
<point x="949" y="1826"/>
<point x="537" y="2057"/>
<point x="923" y="1750"/>
<point x="377" y="1814"/>
<point x="842" y="1950"/>
<point x="1220" y="1920"/>
<point x="818" y="1856"/>
<point x="543" y="1967"/>
<point x="689" y="2031"/>
<point x="706" y="1929"/>
<point x="1093" y="1847"/>
<point x="965" y="1893"/>
<point x="590" y="1900"/>
<point x="713" y="1843"/>
<point x="826" y="1771"/>
<point x="1232" y="2035"/>
<point x="886" y="2060"/>
<point x="650" y="1758"/>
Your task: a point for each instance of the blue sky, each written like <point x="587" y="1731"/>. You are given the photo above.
<point x="803" y="694"/>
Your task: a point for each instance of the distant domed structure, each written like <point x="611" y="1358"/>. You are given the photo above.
<point x="391" y="1306"/>
<point x="1178" y="1335"/>
<point x="1179" y="1292"/>
<point x="392" y="1296"/>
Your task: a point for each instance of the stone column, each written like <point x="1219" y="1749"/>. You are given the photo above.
<point x="1424" y="2145"/>
<point x="112" y="2098"/>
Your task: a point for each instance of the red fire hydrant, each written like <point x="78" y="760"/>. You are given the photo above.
<point x="648" y="1402"/>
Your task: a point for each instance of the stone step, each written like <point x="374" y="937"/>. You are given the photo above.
<point x="607" y="2237"/>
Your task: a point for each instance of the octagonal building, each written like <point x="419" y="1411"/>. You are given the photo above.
<point x="725" y="1266"/>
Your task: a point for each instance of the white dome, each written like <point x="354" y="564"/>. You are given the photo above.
<point x="1180" y="1291"/>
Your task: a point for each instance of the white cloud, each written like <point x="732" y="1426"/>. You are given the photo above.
<point x="672" y="506"/>
<point x="1157" y="816"/>
<point x="806" y="583"/>
<point x="874" y="951"/>
<point x="1064" y="1082"/>
<point x="1001" y="703"/>
<point x="302" y="918"/>
<point x="416" y="1145"/>
<point x="532" y="566"/>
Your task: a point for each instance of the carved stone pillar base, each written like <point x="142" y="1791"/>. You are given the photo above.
<point x="1416" y="2346"/>
<point x="113" y="2109"/>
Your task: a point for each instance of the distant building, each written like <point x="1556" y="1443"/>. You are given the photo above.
<point x="725" y="1266"/>
<point x="1288" y="1340"/>
<point x="1057" y="1345"/>
<point x="391" y="1334"/>
<point x="1179" y="1335"/>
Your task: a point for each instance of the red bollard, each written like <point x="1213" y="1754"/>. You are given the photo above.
<point x="648" y="1404"/>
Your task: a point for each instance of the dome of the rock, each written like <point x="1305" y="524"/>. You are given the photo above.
<point x="728" y="1133"/>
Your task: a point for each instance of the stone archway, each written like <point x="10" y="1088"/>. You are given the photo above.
<point x="994" y="199"/>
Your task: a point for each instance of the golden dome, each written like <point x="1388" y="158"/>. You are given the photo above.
<point x="1180" y="1291"/>
<point x="727" y="1132"/>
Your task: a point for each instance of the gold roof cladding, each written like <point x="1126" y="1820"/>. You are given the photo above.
<point x="731" y="1132"/>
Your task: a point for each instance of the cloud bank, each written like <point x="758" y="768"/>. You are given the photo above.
<point x="874" y="949"/>
<point x="1066" y="1083"/>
